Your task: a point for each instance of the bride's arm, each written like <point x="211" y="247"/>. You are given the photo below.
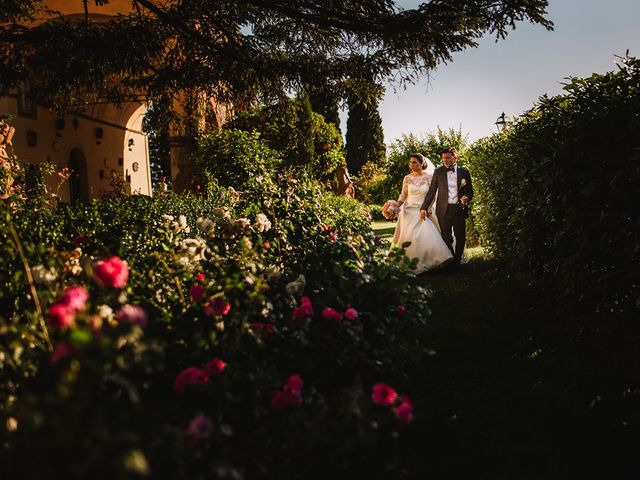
<point x="404" y="193"/>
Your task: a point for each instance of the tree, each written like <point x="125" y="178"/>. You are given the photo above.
<point x="380" y="182"/>
<point x="326" y="103"/>
<point x="365" y="138"/>
<point x="238" y="50"/>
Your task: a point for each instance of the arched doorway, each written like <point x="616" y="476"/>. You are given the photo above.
<point x="78" y="181"/>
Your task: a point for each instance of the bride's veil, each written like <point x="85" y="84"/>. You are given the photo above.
<point x="428" y="166"/>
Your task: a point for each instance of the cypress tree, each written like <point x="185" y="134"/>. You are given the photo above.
<point x="365" y="138"/>
<point x="305" y="131"/>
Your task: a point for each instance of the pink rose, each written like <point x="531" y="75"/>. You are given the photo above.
<point x="268" y="330"/>
<point x="383" y="394"/>
<point x="295" y="399"/>
<point x="75" y="298"/>
<point x="404" y="411"/>
<point x="330" y="314"/>
<point x="217" y="307"/>
<point x="304" y="311"/>
<point x="198" y="430"/>
<point x="351" y="314"/>
<point x="133" y="314"/>
<point x="111" y="272"/>
<point x="197" y="292"/>
<point x="293" y="389"/>
<point x="215" y="366"/>
<point x="266" y="245"/>
<point x="279" y="402"/>
<point x="265" y="329"/>
<point x="189" y="376"/>
<point x="293" y="384"/>
<point x="61" y="316"/>
<point x="62" y="350"/>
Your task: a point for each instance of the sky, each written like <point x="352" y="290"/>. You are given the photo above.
<point x="480" y="83"/>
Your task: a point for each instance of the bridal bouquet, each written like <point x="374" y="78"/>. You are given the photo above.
<point x="390" y="209"/>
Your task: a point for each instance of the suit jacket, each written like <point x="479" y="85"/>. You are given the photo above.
<point x="440" y="185"/>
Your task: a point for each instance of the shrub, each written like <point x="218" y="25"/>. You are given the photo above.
<point x="231" y="158"/>
<point x="378" y="183"/>
<point x="556" y="191"/>
<point x="134" y="385"/>
<point x="286" y="128"/>
<point x="376" y="213"/>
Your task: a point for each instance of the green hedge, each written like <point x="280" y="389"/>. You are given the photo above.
<point x="557" y="191"/>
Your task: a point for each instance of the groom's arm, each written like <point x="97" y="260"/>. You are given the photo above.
<point x="433" y="188"/>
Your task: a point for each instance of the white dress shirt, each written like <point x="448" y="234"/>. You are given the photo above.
<point x="452" y="184"/>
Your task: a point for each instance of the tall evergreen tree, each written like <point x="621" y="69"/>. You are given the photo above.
<point x="305" y="131"/>
<point x="365" y="138"/>
<point x="325" y="102"/>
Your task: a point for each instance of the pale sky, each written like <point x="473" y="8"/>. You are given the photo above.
<point x="510" y="75"/>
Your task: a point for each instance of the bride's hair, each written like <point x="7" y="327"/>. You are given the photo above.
<point x="419" y="157"/>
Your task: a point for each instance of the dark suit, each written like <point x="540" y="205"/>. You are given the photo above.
<point x="450" y="217"/>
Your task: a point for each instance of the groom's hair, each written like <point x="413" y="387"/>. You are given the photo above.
<point x="451" y="150"/>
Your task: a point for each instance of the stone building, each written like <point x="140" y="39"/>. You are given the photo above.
<point x="102" y="142"/>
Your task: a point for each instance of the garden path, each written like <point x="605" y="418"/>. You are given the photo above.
<point x="508" y="388"/>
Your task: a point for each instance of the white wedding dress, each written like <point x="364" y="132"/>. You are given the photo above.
<point x="426" y="241"/>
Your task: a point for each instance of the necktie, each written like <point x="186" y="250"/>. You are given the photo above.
<point x="450" y="169"/>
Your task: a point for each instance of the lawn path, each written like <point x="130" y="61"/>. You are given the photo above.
<point x="508" y="390"/>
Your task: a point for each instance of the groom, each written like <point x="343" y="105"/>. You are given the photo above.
<point x="453" y="185"/>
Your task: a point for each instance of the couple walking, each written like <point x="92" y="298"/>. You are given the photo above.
<point x="437" y="235"/>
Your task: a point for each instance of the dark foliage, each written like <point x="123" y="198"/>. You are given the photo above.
<point x="557" y="196"/>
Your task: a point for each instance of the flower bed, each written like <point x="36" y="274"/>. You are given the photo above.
<point x="233" y="334"/>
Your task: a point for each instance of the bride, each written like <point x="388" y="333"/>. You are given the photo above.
<point x="426" y="242"/>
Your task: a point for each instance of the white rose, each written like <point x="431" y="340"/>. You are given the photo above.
<point x="297" y="286"/>
<point x="42" y="275"/>
<point x="262" y="223"/>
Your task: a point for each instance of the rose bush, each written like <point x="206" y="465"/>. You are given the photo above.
<point x="204" y="333"/>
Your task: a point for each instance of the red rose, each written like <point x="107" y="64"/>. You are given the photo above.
<point x="304" y="311"/>
<point x="217" y="307"/>
<point x="62" y="350"/>
<point x="198" y="430"/>
<point x="383" y="394"/>
<point x="60" y="315"/>
<point x="404" y="411"/>
<point x="330" y="314"/>
<point x="197" y="292"/>
<point x="293" y="384"/>
<point x="215" y="366"/>
<point x="351" y="314"/>
<point x="189" y="376"/>
<point x="75" y="298"/>
<point x="111" y="272"/>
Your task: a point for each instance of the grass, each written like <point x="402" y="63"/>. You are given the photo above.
<point x="513" y="389"/>
<point x="384" y="229"/>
